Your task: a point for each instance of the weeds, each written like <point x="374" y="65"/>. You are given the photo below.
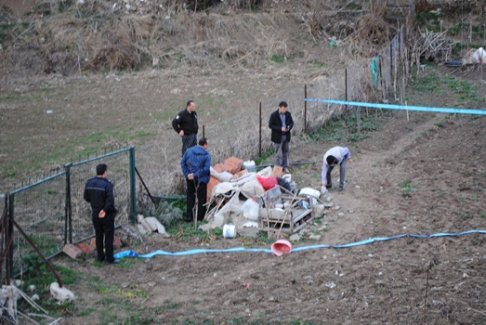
<point x="277" y="58"/>
<point x="265" y="155"/>
<point x="407" y="188"/>
<point x="184" y="231"/>
<point x="347" y="127"/>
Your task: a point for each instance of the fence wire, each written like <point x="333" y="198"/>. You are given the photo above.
<point x="52" y="211"/>
<point x="40" y="212"/>
<point x="118" y="174"/>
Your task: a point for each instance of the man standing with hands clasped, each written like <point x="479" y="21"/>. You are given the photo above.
<point x="281" y="123"/>
<point x="185" y="124"/>
<point x="99" y="193"/>
<point x="195" y="165"/>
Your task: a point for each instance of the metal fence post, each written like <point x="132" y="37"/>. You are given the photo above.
<point x="68" y="224"/>
<point x="10" y="234"/>
<point x="133" y="199"/>
<point x="305" y="108"/>
<point x="260" y="131"/>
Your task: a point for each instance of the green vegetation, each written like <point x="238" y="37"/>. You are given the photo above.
<point x="75" y="149"/>
<point x="347" y="127"/>
<point x="461" y="92"/>
<point x="42" y="278"/>
<point x="29" y="258"/>
<point x="407" y="188"/>
<point x="265" y="155"/>
<point x="429" y="20"/>
<point x="9" y="30"/>
<point x="477" y="31"/>
<point x="184" y="231"/>
<point x="278" y="58"/>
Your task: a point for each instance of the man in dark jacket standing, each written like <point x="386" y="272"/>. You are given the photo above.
<point x="281" y="123"/>
<point x="185" y="124"/>
<point x="99" y="193"/>
<point x="195" y="166"/>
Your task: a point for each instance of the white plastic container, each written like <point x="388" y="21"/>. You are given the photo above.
<point x="249" y="165"/>
<point x="229" y="231"/>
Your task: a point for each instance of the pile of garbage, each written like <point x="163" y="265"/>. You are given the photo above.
<point x="251" y="200"/>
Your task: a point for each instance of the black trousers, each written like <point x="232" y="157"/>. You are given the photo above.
<point x="188" y="141"/>
<point x="105" y="232"/>
<point x="196" y="190"/>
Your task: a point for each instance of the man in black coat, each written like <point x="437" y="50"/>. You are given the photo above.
<point x="281" y="123"/>
<point x="99" y="193"/>
<point x="185" y="124"/>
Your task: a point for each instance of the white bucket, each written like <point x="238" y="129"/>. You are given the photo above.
<point x="229" y="231"/>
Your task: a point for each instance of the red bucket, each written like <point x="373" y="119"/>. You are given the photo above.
<point x="281" y="246"/>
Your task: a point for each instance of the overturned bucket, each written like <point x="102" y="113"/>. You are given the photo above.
<point x="281" y="246"/>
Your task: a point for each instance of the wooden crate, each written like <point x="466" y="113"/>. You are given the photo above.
<point x="274" y="221"/>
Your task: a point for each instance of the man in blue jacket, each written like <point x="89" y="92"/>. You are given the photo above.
<point x="281" y="123"/>
<point x="99" y="193"/>
<point x="195" y="164"/>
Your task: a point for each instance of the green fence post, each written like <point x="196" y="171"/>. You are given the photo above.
<point x="133" y="199"/>
<point x="68" y="225"/>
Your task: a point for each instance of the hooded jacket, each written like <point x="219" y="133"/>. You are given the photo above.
<point x="196" y="160"/>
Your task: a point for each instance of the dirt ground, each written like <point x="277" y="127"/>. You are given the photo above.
<point x="423" y="175"/>
<point x="407" y="281"/>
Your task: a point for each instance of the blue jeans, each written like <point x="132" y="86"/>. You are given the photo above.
<point x="342" y="174"/>
<point x="188" y="141"/>
<point x="282" y="153"/>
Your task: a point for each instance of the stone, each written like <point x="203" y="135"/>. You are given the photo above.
<point x="295" y="237"/>
<point x="72" y="251"/>
<point x="340" y="214"/>
<point x="314" y="237"/>
<point x="141" y="229"/>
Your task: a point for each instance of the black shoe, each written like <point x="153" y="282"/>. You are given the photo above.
<point x="113" y="261"/>
<point x="328" y="186"/>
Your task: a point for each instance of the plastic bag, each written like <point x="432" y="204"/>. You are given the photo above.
<point x="267" y="182"/>
<point x="250" y="210"/>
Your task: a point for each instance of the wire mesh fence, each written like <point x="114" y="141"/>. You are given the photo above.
<point x="118" y="174"/>
<point x="52" y="212"/>
<point x="40" y="211"/>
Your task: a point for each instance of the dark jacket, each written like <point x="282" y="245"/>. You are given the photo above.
<point x="196" y="160"/>
<point x="99" y="193"/>
<point x="185" y="121"/>
<point x="276" y="125"/>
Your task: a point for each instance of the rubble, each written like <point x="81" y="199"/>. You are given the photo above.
<point x="149" y="225"/>
<point x="267" y="200"/>
<point x="61" y="294"/>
